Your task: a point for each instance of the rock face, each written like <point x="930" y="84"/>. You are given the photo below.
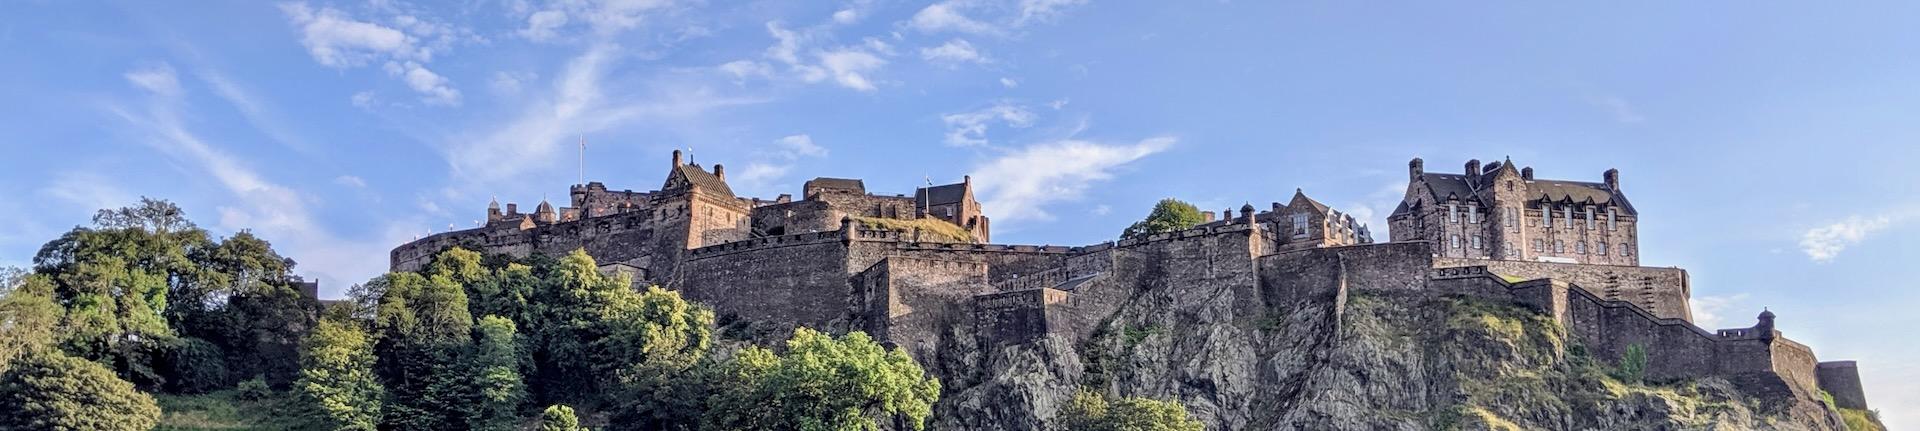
<point x="1374" y="360"/>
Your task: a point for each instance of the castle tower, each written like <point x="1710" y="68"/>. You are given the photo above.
<point x="544" y="214"/>
<point x="493" y="211"/>
<point x="1504" y="199"/>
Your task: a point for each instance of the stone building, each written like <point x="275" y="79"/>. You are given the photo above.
<point x="1501" y="212"/>
<point x="1304" y="223"/>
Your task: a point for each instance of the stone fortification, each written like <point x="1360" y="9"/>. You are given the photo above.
<point x="843" y="259"/>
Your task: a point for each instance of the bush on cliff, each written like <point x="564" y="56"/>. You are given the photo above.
<point x="1091" y="411"/>
<point x="821" y="383"/>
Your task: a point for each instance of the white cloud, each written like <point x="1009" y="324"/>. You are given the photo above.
<point x="1020" y="184"/>
<point x="159" y="79"/>
<point x="1708" y="309"/>
<point x="1032" y="11"/>
<point x="363" y="100"/>
<point x="797" y="146"/>
<point x="970" y="128"/>
<point x="949" y="16"/>
<point x="846" y="16"/>
<point x="954" y="52"/>
<point x="541" y="25"/>
<point x="258" y="114"/>
<point x="743" y="69"/>
<point x="337" y="40"/>
<point x="510" y="82"/>
<point x="1824" y="243"/>
<point x="433" y="88"/>
<point x="1009" y="82"/>
<point x="760" y="173"/>
<point x="850" y="67"/>
<point x="350" y="181"/>
<point x="1102" y="209"/>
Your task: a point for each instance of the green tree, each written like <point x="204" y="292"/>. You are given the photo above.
<point x="1170" y="215"/>
<point x="336" y="380"/>
<point x="653" y="341"/>
<point x="822" y="383"/>
<point x="57" y="392"/>
<point x="559" y="417"/>
<point x="1090" y="411"/>
<point x="495" y="381"/>
<point x="566" y="317"/>
<point x="29" y="319"/>
<point x="423" y="324"/>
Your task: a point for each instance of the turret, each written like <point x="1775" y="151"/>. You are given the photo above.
<point x="1246" y="213"/>
<point x="1765" y="327"/>
<point x="1415" y="168"/>
<point x="493" y="210"/>
<point x="1612" y="177"/>
<point x="545" y="213"/>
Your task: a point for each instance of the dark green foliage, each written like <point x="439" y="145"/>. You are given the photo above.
<point x="494" y="382"/>
<point x="58" y="392"/>
<point x="337" y="385"/>
<point x="559" y="417"/>
<point x="1091" y="411"/>
<point x="653" y="340"/>
<point x="821" y="383"/>
<point x="1170" y="215"/>
<point x="192" y="365"/>
<point x="1633" y="364"/>
<point x="254" y="389"/>
<point x="423" y="325"/>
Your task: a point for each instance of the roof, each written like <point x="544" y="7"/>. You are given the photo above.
<point x="941" y="195"/>
<point x="838" y="183"/>
<point x="1442" y="186"/>
<point x="704" y="179"/>
<point x="1299" y="195"/>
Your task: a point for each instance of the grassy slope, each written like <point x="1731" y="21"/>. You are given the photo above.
<point x="224" y="410"/>
<point x="928" y="226"/>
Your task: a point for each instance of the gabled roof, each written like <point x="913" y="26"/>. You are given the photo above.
<point x="703" y="179"/>
<point x="1456" y="186"/>
<point x="941" y="195"/>
<point x="1300" y="196"/>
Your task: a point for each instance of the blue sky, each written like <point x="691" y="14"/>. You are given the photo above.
<point x="1769" y="145"/>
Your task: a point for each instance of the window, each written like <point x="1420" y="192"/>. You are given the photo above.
<point x="1539" y="245"/>
<point x="1611" y="223"/>
<point x="1546" y="216"/>
<point x="1580" y="247"/>
<point x="1568" y="212"/>
<point x="1455" y="240"/>
<point x="1509" y="186"/>
<point x="1476" y="242"/>
<point x="1625" y="250"/>
<point x="1300" y="224"/>
<point x="1589" y="217"/>
<point x="1601" y="248"/>
<point x="1473" y="214"/>
<point x="1559" y="246"/>
<point x="1453" y="213"/>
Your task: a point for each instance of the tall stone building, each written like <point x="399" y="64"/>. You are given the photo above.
<point x="1302" y="223"/>
<point x="1501" y="212"/>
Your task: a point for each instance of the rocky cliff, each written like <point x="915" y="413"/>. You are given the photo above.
<point x="1377" y="360"/>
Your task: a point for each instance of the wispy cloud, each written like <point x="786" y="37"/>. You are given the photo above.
<point x="1824" y="243"/>
<point x="952" y="53"/>
<point x="88" y="191"/>
<point x="335" y="39"/>
<point x="970" y="128"/>
<point x="1619" y="108"/>
<point x="987" y="18"/>
<point x="601" y="17"/>
<point x="1709" y="310"/>
<point x="850" y="66"/>
<point x="1021" y="184"/>
<point x="774" y="162"/>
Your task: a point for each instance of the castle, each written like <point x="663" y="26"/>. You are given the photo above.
<point x="915" y="270"/>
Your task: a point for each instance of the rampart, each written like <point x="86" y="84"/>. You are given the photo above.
<point x="1842" y="380"/>
<point x="1661" y="291"/>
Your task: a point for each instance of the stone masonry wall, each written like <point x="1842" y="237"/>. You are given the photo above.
<point x="1662" y="291"/>
<point x="1842" y="379"/>
<point x="912" y="302"/>
<point x="795" y="279"/>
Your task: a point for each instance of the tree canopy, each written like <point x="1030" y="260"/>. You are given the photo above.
<point x="1170" y="215"/>
<point x="53" y="391"/>
<point x="1091" y="411"/>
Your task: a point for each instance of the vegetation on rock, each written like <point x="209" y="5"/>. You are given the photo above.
<point x="1091" y="411"/>
<point x="931" y="229"/>
<point x="1170" y="215"/>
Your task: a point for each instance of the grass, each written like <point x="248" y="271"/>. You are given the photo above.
<point x="937" y="228"/>
<point x="1861" y="420"/>
<point x="223" y="410"/>
<point x="1512" y="279"/>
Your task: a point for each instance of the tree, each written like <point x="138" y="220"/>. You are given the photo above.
<point x="494" y="381"/>
<point x="52" y="391"/>
<point x="423" y="324"/>
<point x="822" y="383"/>
<point x="565" y="317"/>
<point x="1090" y="411"/>
<point x="559" y="417"/>
<point x="653" y="341"/>
<point x="29" y="320"/>
<point x="336" y="378"/>
<point x="1170" y="215"/>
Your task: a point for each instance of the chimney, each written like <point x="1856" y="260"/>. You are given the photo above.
<point x="720" y="171"/>
<point x="1613" y="179"/>
<point x="1526" y="173"/>
<point x="968" y="180"/>
<point x="513" y="208"/>
<point x="1206" y="216"/>
<point x="1473" y="170"/>
<point x="676" y="158"/>
<point x="1415" y="168"/>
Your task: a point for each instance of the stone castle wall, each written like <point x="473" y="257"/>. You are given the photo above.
<point x="913" y="302"/>
<point x="1662" y="291"/>
<point x="1842" y="380"/>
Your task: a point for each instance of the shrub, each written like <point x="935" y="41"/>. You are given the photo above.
<point x="1633" y="364"/>
<point x="255" y="389"/>
<point x="59" y="392"/>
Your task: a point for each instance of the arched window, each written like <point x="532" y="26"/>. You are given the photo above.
<point x="1455" y="240"/>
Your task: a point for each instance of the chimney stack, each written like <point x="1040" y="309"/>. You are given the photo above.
<point x="513" y="208"/>
<point x="720" y="171"/>
<point x="1473" y="170"/>
<point x="1206" y="216"/>
<point x="1415" y="168"/>
<point x="676" y="158"/>
<point x="1526" y="173"/>
<point x="1613" y="179"/>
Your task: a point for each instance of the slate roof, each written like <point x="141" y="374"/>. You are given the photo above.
<point x="854" y="185"/>
<point x="704" y="179"/>
<point x="1441" y="186"/>
<point x="941" y="195"/>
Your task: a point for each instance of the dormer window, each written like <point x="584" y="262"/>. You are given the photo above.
<point x="1473" y="214"/>
<point x="1568" y="212"/>
<point x="1546" y="216"/>
<point x="1589" y="217"/>
<point x="1453" y="213"/>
